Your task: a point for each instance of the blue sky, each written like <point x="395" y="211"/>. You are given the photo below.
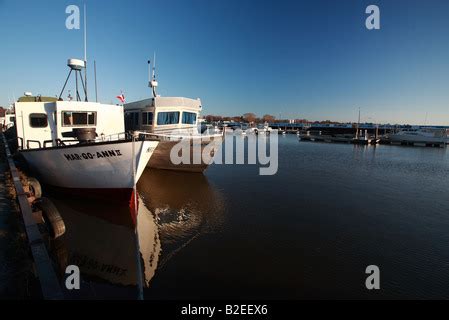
<point x="295" y="59"/>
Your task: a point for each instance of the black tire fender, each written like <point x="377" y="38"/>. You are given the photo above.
<point x="51" y="217"/>
<point x="35" y="187"/>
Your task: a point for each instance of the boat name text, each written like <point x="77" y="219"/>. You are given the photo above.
<point x="94" y="155"/>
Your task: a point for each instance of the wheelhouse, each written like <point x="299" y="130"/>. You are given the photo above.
<point x="46" y="124"/>
<point x="163" y="115"/>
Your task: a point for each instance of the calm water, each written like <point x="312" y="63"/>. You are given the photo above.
<point x="307" y="232"/>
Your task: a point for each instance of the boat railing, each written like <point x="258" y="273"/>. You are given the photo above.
<point x="33" y="144"/>
<point x="175" y="137"/>
<point x="114" y="137"/>
<point x="33" y="141"/>
<point x="139" y="135"/>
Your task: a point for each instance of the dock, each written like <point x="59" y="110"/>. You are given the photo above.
<point x="43" y="265"/>
<point x="318" y="136"/>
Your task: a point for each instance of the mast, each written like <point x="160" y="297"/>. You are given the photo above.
<point x="85" y="54"/>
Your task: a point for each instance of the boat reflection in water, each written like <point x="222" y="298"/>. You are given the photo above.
<point x="184" y="204"/>
<point x="173" y="209"/>
<point x="100" y="240"/>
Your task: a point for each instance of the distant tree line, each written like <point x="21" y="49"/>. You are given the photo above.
<point x="253" y="118"/>
<point x="247" y="117"/>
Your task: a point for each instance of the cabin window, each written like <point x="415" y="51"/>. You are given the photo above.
<point x="70" y="118"/>
<point x="164" y="118"/>
<point x="131" y="120"/>
<point x="38" y="120"/>
<point x="147" y="118"/>
<point x="188" y="118"/>
<point x="128" y="123"/>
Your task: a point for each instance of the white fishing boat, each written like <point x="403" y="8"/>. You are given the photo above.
<point x="8" y="120"/>
<point x="80" y="146"/>
<point x="424" y="135"/>
<point x="171" y="120"/>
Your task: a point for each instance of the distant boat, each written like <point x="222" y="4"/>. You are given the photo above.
<point x="8" y="120"/>
<point x="260" y="129"/>
<point x="420" y="135"/>
<point x="228" y="130"/>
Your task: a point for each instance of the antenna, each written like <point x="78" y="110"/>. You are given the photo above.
<point x="154" y="66"/>
<point x="153" y="82"/>
<point x="95" y="75"/>
<point x="149" y="73"/>
<point x="85" y="54"/>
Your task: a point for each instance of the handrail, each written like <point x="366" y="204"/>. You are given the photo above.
<point x="180" y="137"/>
<point x="48" y="141"/>
<point x="113" y="137"/>
<point x="20" y="145"/>
<point x="33" y="141"/>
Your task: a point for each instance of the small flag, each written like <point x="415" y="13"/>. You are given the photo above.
<point x="121" y="97"/>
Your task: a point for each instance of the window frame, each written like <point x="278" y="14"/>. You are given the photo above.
<point x="131" y="120"/>
<point x="63" y="124"/>
<point x="168" y="124"/>
<point x="38" y="114"/>
<point x="145" y="118"/>
<point x="190" y="115"/>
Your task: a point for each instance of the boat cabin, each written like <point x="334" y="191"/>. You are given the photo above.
<point x="52" y="123"/>
<point x="163" y="115"/>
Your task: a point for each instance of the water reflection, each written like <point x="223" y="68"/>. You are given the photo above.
<point x="174" y="208"/>
<point x="100" y="240"/>
<point x="184" y="204"/>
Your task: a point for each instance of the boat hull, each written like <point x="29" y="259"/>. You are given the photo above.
<point x="416" y="138"/>
<point x="161" y="156"/>
<point x="103" y="168"/>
